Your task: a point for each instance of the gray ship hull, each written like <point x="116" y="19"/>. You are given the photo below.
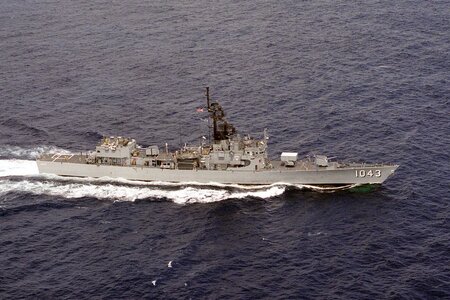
<point x="354" y="174"/>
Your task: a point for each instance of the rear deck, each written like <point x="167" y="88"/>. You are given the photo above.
<point x="67" y="158"/>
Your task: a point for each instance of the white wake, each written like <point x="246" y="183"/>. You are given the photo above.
<point x="28" y="153"/>
<point x="17" y="167"/>
<point x="130" y="193"/>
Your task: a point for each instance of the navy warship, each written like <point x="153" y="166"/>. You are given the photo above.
<point x="228" y="158"/>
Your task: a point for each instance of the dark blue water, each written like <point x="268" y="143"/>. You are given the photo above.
<point x="361" y="80"/>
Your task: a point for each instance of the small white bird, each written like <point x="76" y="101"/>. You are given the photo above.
<point x="154" y="282"/>
<point x="169" y="265"/>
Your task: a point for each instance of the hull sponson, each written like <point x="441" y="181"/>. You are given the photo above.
<point x="313" y="177"/>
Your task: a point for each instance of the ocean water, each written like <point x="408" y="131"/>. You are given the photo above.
<point x="360" y="80"/>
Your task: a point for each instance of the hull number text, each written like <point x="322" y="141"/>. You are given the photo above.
<point x="368" y="173"/>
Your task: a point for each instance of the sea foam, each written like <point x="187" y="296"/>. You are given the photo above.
<point x="131" y="193"/>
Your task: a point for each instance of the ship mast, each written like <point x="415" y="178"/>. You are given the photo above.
<point x="222" y="130"/>
<point x="207" y="107"/>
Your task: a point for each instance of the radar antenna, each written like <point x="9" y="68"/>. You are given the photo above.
<point x="222" y="130"/>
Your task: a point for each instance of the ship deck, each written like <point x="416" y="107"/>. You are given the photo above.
<point x="308" y="165"/>
<point x="304" y="165"/>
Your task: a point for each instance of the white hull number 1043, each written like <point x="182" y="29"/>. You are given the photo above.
<point x="368" y="173"/>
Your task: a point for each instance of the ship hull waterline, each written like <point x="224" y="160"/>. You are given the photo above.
<point x="322" y="177"/>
